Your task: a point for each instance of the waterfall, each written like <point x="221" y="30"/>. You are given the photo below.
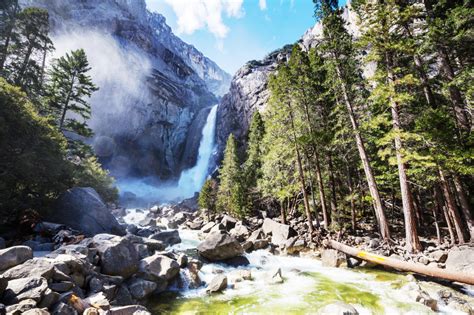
<point x="190" y="180"/>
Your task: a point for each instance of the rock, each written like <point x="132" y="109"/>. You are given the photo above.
<point x="3" y="284"/>
<point x="294" y="245"/>
<point x="207" y="227"/>
<point x="49" y="298"/>
<point x="21" y="307"/>
<point x="240" y="275"/>
<point x="439" y="256"/>
<point x="154" y="245"/>
<point x="218" y="284"/>
<point x="3" y="309"/>
<point x="3" y="244"/>
<point x="219" y="246"/>
<point x="98" y="300"/>
<point x="280" y="232"/>
<point x="331" y="258"/>
<point x="158" y="267"/>
<point x="129" y="310"/>
<point x="195" y="225"/>
<point x="461" y="306"/>
<point x="275" y="276"/>
<point x="247" y="246"/>
<point x="256" y="235"/>
<point x="118" y="256"/>
<point x="237" y="261"/>
<point x="218" y="227"/>
<point x="424" y="260"/>
<point x="260" y="244"/>
<point x="63" y="309"/>
<point x="240" y="231"/>
<point x="140" y="288"/>
<point x="37" y="311"/>
<point x="228" y="222"/>
<point x="25" y="288"/>
<point x="13" y="256"/>
<point x="169" y="237"/>
<point x="61" y="286"/>
<point x="122" y="296"/>
<point x="182" y="260"/>
<point x="91" y="311"/>
<point x="461" y="259"/>
<point x="425" y="299"/>
<point x="81" y="208"/>
<point x="374" y="243"/>
<point x="338" y="308"/>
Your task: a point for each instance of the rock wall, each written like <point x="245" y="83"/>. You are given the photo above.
<point x="152" y="84"/>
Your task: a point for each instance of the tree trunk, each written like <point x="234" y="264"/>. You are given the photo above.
<point x="411" y="235"/>
<point x="332" y="184"/>
<point x="404" y="265"/>
<point x="24" y="65"/>
<point x="66" y="103"/>
<point x="436" y="210"/>
<point x="463" y="201"/>
<point x="351" y="192"/>
<point x="313" y="193"/>
<point x="374" y="192"/>
<point x="283" y="214"/>
<point x="451" y="205"/>
<point x="449" y="224"/>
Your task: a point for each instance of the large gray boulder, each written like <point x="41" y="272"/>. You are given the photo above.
<point x="159" y="267"/>
<point x="82" y="209"/>
<point x="280" y="232"/>
<point x="141" y="288"/>
<point x="13" y="256"/>
<point x="219" y="245"/>
<point x="218" y="283"/>
<point x="461" y="259"/>
<point x="118" y="256"/>
<point x="169" y="237"/>
<point x="25" y="288"/>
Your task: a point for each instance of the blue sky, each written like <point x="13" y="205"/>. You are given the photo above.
<point x="232" y="32"/>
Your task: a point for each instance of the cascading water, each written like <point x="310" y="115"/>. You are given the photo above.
<point x="190" y="180"/>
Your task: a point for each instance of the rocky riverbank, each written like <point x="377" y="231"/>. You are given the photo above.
<point x="61" y="270"/>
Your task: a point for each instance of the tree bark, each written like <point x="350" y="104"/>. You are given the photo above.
<point x="464" y="203"/>
<point x="283" y="214"/>
<point x="411" y="234"/>
<point x="352" y="202"/>
<point x="435" y="211"/>
<point x="451" y="205"/>
<point x="404" y="265"/>
<point x="332" y="184"/>
<point x="449" y="224"/>
<point x="374" y="192"/>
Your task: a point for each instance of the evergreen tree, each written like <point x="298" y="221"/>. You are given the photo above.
<point x="69" y="88"/>
<point x="9" y="10"/>
<point x="230" y="196"/>
<point x="207" y="196"/>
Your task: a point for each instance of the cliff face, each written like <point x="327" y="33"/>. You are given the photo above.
<point x="152" y="84"/>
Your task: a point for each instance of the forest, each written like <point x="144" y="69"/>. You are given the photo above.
<point x="369" y="130"/>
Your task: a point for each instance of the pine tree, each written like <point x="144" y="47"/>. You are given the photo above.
<point x="253" y="163"/>
<point x="207" y="196"/>
<point x="344" y="69"/>
<point x="69" y="88"/>
<point x="9" y="10"/>
<point x="230" y="196"/>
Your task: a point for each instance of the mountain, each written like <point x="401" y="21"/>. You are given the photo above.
<point x="155" y="90"/>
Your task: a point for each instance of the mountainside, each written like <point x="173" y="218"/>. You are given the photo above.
<point x="152" y="84"/>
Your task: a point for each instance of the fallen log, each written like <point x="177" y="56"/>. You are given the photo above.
<point x="403" y="265"/>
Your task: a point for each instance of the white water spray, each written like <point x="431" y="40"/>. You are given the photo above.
<point x="190" y="180"/>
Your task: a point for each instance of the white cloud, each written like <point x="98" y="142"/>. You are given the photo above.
<point x="262" y="4"/>
<point x="198" y="14"/>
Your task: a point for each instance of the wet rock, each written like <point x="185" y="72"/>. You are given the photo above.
<point x="118" y="256"/>
<point x="461" y="259"/>
<point x="182" y="260"/>
<point x="338" y="308"/>
<point x="280" y="232"/>
<point x="21" y="307"/>
<point x="275" y="276"/>
<point x="13" y="256"/>
<point x="140" y="288"/>
<point x="439" y="256"/>
<point x="331" y="258"/>
<point x="129" y="310"/>
<point x="219" y="246"/>
<point x="218" y="284"/>
<point x="82" y="209"/>
<point x="63" y="309"/>
<point x="237" y="261"/>
<point x="158" y="267"/>
<point x="169" y="237"/>
<point x="25" y="288"/>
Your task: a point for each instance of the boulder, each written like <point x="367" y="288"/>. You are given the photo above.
<point x="237" y="261"/>
<point x="461" y="260"/>
<point x="219" y="246"/>
<point x="338" y="308"/>
<point x="63" y="309"/>
<point x="118" y="256"/>
<point x="25" y="288"/>
<point x="36" y="267"/>
<point x="218" y="284"/>
<point x="260" y="244"/>
<point x="240" y="275"/>
<point x="49" y="298"/>
<point x="280" y="232"/>
<point x="13" y="256"/>
<point x="207" y="227"/>
<point x="182" y="260"/>
<point x="294" y="245"/>
<point x="129" y="310"/>
<point x="240" y="232"/>
<point x="37" y="311"/>
<point x="22" y="307"/>
<point x="228" y="222"/>
<point x="3" y="243"/>
<point x="158" y="268"/>
<point x="3" y="284"/>
<point x="330" y="258"/>
<point x="82" y="209"/>
<point x="439" y="255"/>
<point x="256" y="235"/>
<point x="170" y="237"/>
<point x="141" y="288"/>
